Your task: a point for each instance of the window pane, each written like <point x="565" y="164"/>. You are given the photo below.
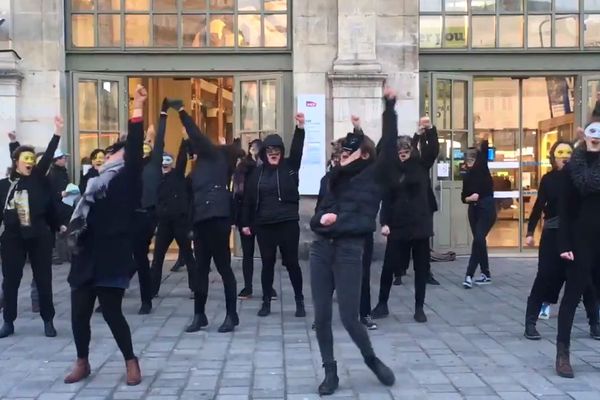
<point x="510" y="31"/>
<point x="276" y="30"/>
<point x="189" y="5"/>
<point x="539" y="5"/>
<point x="82" y="30"/>
<point x="249" y="5"/>
<point x="567" y="5"/>
<point x="268" y="105"/>
<point x="221" y="31"/>
<point x="106" y="139"/>
<point x="225" y="5"/>
<point x="567" y="31"/>
<point x="510" y="5"/>
<point x="483" y="5"/>
<point x="431" y="5"/>
<point x="137" y="5"/>
<point x="591" y="5"/>
<point x="455" y="5"/>
<point x="109" y="30"/>
<point x="137" y="30"/>
<point x="109" y="5"/>
<point x="249" y="30"/>
<point x="249" y="106"/>
<point x="82" y="5"/>
<point x="455" y="34"/>
<point x="539" y="31"/>
<point x="165" y="5"/>
<point x="109" y="106"/>
<point x="275" y="5"/>
<point x="443" y="96"/>
<point x="430" y="32"/>
<point x="88" y="141"/>
<point x="87" y="105"/>
<point x="164" y="28"/>
<point x="459" y="105"/>
<point x="484" y="31"/>
<point x="194" y="30"/>
<point x="592" y="30"/>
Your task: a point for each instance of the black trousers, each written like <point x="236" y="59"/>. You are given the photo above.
<point x="82" y="308"/>
<point x="247" y="258"/>
<point x="285" y="236"/>
<point x="585" y="270"/>
<point x="170" y="229"/>
<point x="420" y="253"/>
<point x="482" y="216"/>
<point x="365" y="287"/>
<point x="14" y="251"/>
<point x="211" y="242"/>
<point x="144" y="227"/>
<point x="403" y="262"/>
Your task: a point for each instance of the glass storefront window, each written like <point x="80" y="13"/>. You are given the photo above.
<point x="510" y="5"/>
<point x="109" y="5"/>
<point x="566" y="5"/>
<point x="510" y="29"/>
<point x="483" y="5"/>
<point x="194" y="5"/>
<point x="82" y="26"/>
<point x="591" y="5"/>
<point x="539" y="31"/>
<point x="194" y="30"/>
<point x="484" y="31"/>
<point x="591" y="35"/>
<point x="164" y="29"/>
<point x="566" y="31"/>
<point x="220" y="30"/>
<point x="249" y="30"/>
<point x="222" y="5"/>
<point x="430" y="32"/>
<point x="137" y="5"/>
<point x="275" y="30"/>
<point x="109" y="30"/>
<point x="456" y="31"/>
<point x="455" y="5"/>
<point x="539" y="5"/>
<point x="268" y="109"/>
<point x="137" y="30"/>
<point x="82" y="5"/>
<point x="249" y="111"/>
<point x="430" y="5"/>
<point x="275" y="5"/>
<point x="109" y="106"/>
<point x="165" y="5"/>
<point x="249" y="5"/>
<point x="88" y="105"/>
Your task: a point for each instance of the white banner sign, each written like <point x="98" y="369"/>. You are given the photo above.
<point x="314" y="156"/>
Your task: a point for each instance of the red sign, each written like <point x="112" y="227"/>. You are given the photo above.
<point x="311" y="104"/>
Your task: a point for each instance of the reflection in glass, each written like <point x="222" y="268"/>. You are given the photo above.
<point x="510" y="5"/>
<point x="484" y="31"/>
<point x="539" y="31"/>
<point x="445" y="156"/>
<point x="249" y="30"/>
<point x="249" y="5"/>
<point x="221" y="31"/>
<point x="109" y="106"/>
<point x="275" y="5"/>
<point x="456" y="31"/>
<point x="483" y="5"/>
<point x="443" y="92"/>
<point x="430" y="32"/>
<point x="268" y="106"/>
<point x="249" y="106"/>
<point x="455" y="5"/>
<point x="137" y="30"/>
<point x="189" y="5"/>
<point x="275" y="27"/>
<point x="567" y="31"/>
<point x="593" y="87"/>
<point x="592" y="30"/>
<point x="82" y="5"/>
<point x="109" y="30"/>
<point x="566" y="5"/>
<point x="458" y="147"/>
<point x="591" y="5"/>
<point x="82" y="30"/>
<point x="194" y="30"/>
<point x="88" y="141"/>
<point x="431" y="5"/>
<point x="165" y="5"/>
<point x="109" y="5"/>
<point x="459" y="105"/>
<point x="165" y="30"/>
<point x="87" y="105"/>
<point x="222" y="5"/>
<point x="106" y="139"/>
<point x="137" y="5"/>
<point x="539" y="5"/>
<point x="510" y="29"/>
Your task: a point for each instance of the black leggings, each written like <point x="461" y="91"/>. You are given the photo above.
<point x="82" y="308"/>
<point x="144" y="227"/>
<point x="393" y="251"/>
<point x="365" y="287"/>
<point x="482" y="216"/>
<point x="248" y="258"/>
<point x="285" y="236"/>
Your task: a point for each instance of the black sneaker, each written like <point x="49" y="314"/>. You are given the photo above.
<point x="368" y="322"/>
<point x="531" y="332"/>
<point x="145" y="309"/>
<point x="382" y="371"/>
<point x="200" y="321"/>
<point x="245" y="294"/>
<point x="273" y="294"/>
<point x="49" y="329"/>
<point x="595" y="331"/>
<point x="265" y="309"/>
<point x="397" y="280"/>
<point x="420" y="315"/>
<point x="7" y="329"/>
<point x="380" y="311"/>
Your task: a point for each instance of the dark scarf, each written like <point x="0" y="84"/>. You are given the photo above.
<point x="342" y="175"/>
<point x="584" y="167"/>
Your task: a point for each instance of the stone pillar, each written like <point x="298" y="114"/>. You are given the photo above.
<point x="10" y="82"/>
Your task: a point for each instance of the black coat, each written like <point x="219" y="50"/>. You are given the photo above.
<point x="287" y="180"/>
<point x="428" y="142"/>
<point x="173" y="191"/>
<point x="83" y="181"/>
<point x="107" y="243"/>
<point x="478" y="179"/>
<point x="240" y="178"/>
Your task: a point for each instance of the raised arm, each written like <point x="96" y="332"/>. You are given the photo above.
<point x="134" y="151"/>
<point x="181" y="162"/>
<point x="13" y="142"/>
<point x="389" y="133"/>
<point x="430" y="147"/>
<point x="159" y="141"/>
<point x="202" y="145"/>
<point x="44" y="164"/>
<point x="482" y="156"/>
<point x="297" y="147"/>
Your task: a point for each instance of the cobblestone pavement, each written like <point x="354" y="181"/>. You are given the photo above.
<point x="471" y="348"/>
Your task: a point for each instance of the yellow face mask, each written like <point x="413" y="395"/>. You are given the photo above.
<point x="27" y="157"/>
<point x="563" y="152"/>
<point x="98" y="160"/>
<point x="147" y="150"/>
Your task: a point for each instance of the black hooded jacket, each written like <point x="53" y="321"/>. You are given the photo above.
<point x="271" y="192"/>
<point x="173" y="190"/>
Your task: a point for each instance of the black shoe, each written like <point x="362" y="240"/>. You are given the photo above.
<point x="382" y="371"/>
<point x="7" y="329"/>
<point x="420" y="315"/>
<point x="380" y="311"/>
<point x="531" y="332"/>
<point x="331" y="381"/>
<point x="595" y="331"/>
<point x="236" y="318"/>
<point x="49" y="329"/>
<point x="273" y="294"/>
<point x="432" y="281"/>
<point x="245" y="294"/>
<point x="98" y="309"/>
<point x="397" y="280"/>
<point x="176" y="104"/>
<point x="176" y="267"/>
<point x="229" y="324"/>
<point x="265" y="309"/>
<point x="368" y="322"/>
<point x="300" y="311"/>
<point x="145" y="309"/>
<point x="200" y="321"/>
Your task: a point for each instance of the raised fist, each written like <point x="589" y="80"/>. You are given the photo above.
<point x="12" y="136"/>
<point x="300" y="120"/>
<point x="355" y="121"/>
<point x="139" y="97"/>
<point x="59" y="124"/>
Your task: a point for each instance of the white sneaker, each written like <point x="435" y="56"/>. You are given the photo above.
<point x="483" y="280"/>
<point x="468" y="282"/>
<point x="545" y="311"/>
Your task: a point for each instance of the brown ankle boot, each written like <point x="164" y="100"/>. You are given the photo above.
<point x="80" y="371"/>
<point x="134" y="374"/>
<point x="563" y="363"/>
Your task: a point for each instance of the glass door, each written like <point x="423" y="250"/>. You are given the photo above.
<point x="450" y="111"/>
<point x="590" y="89"/>
<point x="99" y="113"/>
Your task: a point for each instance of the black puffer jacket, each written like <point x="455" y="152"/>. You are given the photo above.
<point x="286" y="180"/>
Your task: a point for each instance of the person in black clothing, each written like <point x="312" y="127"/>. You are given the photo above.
<point x="579" y="228"/>
<point x="97" y="161"/>
<point x="344" y="217"/>
<point x="407" y="216"/>
<point x="551" y="267"/>
<point x="29" y="220"/>
<point x="270" y="211"/>
<point x="212" y="217"/>
<point x="478" y="193"/>
<point x="59" y="179"/>
<point x="173" y="213"/>
<point x="101" y="231"/>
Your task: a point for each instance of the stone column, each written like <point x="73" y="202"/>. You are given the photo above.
<point x="10" y="82"/>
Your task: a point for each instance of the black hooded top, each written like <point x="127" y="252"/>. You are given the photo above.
<point x="478" y="178"/>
